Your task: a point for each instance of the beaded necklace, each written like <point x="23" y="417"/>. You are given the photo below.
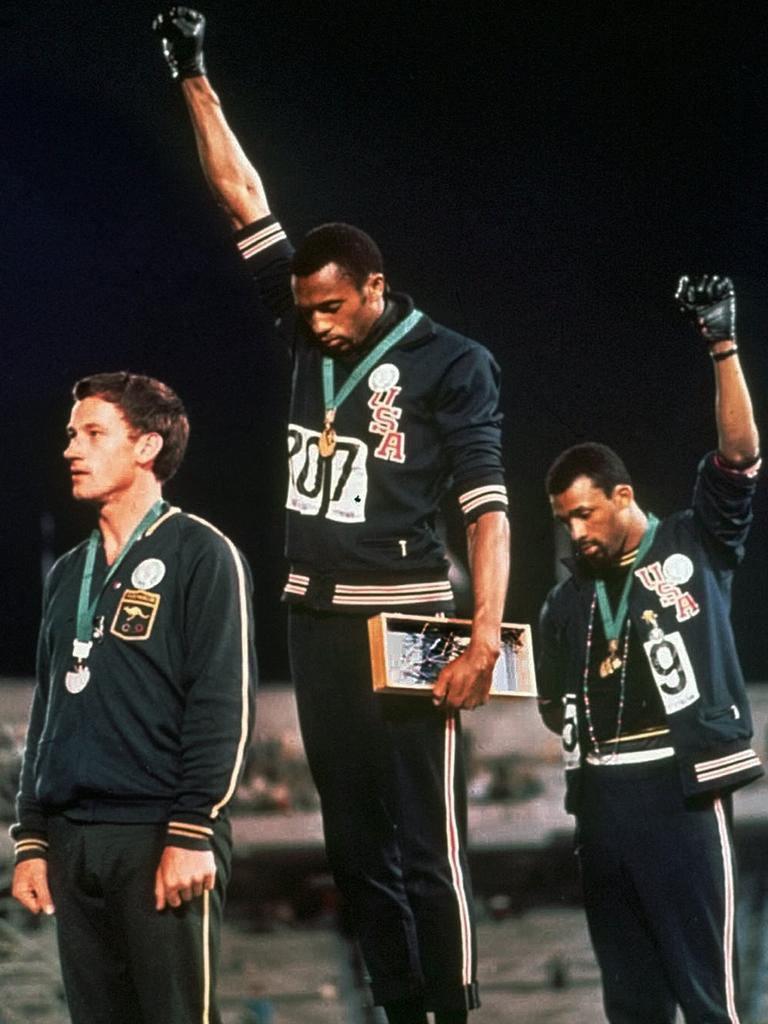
<point x="622" y="686"/>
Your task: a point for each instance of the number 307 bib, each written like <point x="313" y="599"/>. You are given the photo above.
<point x="335" y="487"/>
<point x="672" y="671"/>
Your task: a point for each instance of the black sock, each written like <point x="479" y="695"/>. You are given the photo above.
<point x="451" y="1017"/>
<point x="406" y="1011"/>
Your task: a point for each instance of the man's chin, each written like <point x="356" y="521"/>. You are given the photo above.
<point x="83" y="497"/>
<point x="596" y="561"/>
<point x="338" y="346"/>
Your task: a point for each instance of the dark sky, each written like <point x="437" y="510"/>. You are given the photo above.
<point x="537" y="181"/>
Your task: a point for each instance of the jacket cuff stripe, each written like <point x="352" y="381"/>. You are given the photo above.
<point x="203" y="830"/>
<point x="187" y="834"/>
<point x="750" y="760"/>
<point x="261" y="235"/>
<point x="718" y="761"/>
<point x="495" y="494"/>
<point x="27" y="845"/>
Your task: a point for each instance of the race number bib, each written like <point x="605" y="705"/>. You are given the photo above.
<point x="334" y="487"/>
<point x="570" y="735"/>
<point x="672" y="672"/>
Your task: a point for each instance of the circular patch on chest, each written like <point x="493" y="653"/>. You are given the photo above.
<point x="148" y="573"/>
<point x="677" y="569"/>
<point x="384" y="376"/>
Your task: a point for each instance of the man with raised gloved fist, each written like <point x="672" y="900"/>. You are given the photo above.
<point x="387" y="407"/>
<point x="638" y="672"/>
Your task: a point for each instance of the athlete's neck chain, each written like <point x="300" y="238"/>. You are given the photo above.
<point x="595" y="746"/>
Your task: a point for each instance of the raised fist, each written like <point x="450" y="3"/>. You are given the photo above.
<point x="710" y="302"/>
<point x="181" y="30"/>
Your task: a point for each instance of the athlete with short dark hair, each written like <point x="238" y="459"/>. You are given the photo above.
<point x="388" y="411"/>
<point x="139" y="723"/>
<point x="597" y="461"/>
<point x="638" y="672"/>
<point x="350" y="249"/>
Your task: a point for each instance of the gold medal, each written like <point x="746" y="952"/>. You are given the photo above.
<point x="612" y="663"/>
<point x="326" y="442"/>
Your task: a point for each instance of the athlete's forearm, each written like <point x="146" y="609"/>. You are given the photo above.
<point x="488" y="548"/>
<point x="231" y="176"/>
<point x="737" y="437"/>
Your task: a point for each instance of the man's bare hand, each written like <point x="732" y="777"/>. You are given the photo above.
<point x="466" y="681"/>
<point x="30" y="886"/>
<point x="182" y="875"/>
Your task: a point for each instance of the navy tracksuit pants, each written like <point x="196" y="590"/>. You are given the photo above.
<point x="390" y="775"/>
<point x="658" y="877"/>
<point x="123" y="962"/>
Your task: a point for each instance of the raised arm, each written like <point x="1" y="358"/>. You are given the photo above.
<point x="232" y="178"/>
<point x="710" y="301"/>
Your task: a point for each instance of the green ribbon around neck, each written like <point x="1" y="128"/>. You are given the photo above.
<point x="86" y="609"/>
<point x="333" y="401"/>
<point x="612" y="623"/>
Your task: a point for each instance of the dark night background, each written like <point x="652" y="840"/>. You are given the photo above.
<point x="537" y="178"/>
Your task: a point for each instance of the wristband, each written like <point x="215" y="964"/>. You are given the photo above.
<point x="718" y="357"/>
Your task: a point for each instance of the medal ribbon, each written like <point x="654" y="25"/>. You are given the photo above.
<point x="612" y="623"/>
<point x="399" y="331"/>
<point x="86" y="609"/>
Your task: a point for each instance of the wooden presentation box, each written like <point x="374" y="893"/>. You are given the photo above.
<point x="408" y="652"/>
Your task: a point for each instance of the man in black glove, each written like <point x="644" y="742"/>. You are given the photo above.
<point x="638" y="672"/>
<point x="386" y="407"/>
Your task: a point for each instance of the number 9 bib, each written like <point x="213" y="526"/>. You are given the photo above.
<point x="672" y="671"/>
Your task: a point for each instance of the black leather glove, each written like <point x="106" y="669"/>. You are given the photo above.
<point x="181" y="30"/>
<point x="710" y="302"/>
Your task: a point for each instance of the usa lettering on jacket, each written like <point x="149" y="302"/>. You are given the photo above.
<point x="653" y="578"/>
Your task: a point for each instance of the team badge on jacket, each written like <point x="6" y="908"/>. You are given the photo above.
<point x="135" y="615"/>
<point x="664" y="581"/>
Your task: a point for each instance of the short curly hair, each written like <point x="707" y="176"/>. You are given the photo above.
<point x="351" y="249"/>
<point x="600" y="463"/>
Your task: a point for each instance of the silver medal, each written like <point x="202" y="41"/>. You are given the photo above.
<point x="77" y="680"/>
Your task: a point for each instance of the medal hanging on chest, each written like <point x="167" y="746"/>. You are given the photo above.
<point x="596" y="750"/>
<point x="77" y="679"/>
<point x="79" y="675"/>
<point x="612" y="623"/>
<point x="326" y="442"/>
<point x="612" y="663"/>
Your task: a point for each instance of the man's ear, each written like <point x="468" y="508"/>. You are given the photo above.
<point x="622" y="496"/>
<point x="148" y="447"/>
<point x="375" y="286"/>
